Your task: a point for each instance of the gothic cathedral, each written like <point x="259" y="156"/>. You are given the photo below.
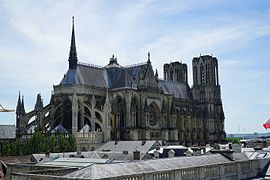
<point x="117" y="102"/>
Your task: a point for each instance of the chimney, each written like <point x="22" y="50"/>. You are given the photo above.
<point x="47" y="155"/>
<point x="171" y="153"/>
<point x="156" y="154"/>
<point x="136" y="155"/>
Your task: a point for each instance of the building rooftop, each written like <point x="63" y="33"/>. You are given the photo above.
<point x="251" y="153"/>
<point x="115" y="77"/>
<point x="130" y="146"/>
<point x="16" y="159"/>
<point x="7" y="131"/>
<point x="73" y="162"/>
<point x="122" y="169"/>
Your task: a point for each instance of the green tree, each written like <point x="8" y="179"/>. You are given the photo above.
<point x="233" y="139"/>
<point x="40" y="143"/>
<point x="72" y="145"/>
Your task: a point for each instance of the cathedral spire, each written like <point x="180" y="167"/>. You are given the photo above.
<point x="23" y="110"/>
<point x="73" y="53"/>
<point x="19" y="104"/>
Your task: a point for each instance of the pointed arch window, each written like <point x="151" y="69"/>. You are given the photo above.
<point x="202" y="74"/>
<point x="207" y="74"/>
<point x="171" y="75"/>
<point x="153" y="115"/>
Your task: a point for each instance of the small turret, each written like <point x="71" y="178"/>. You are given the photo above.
<point x="18" y="116"/>
<point x="39" y="112"/>
<point x="148" y="58"/>
<point x="39" y="103"/>
<point x="113" y="60"/>
<point x="22" y="107"/>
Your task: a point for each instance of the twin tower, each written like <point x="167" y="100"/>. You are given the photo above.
<point x="205" y="91"/>
<point x="205" y="71"/>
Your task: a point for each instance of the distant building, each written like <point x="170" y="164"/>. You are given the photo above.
<point x="114" y="102"/>
<point x="254" y="135"/>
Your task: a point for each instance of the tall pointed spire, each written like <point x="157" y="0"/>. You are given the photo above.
<point x="73" y="53"/>
<point x="39" y="103"/>
<point x="18" y="115"/>
<point x="19" y="104"/>
<point x="23" y="110"/>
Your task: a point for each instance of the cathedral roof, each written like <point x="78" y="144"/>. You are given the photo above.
<point x="7" y="131"/>
<point x="114" y="77"/>
<point x="85" y="75"/>
<point x="178" y="90"/>
<point x="108" y="77"/>
<point x="125" y="76"/>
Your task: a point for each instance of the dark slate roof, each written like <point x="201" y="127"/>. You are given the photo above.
<point x="133" y="74"/>
<point x="108" y="76"/>
<point x="114" y="77"/>
<point x="179" y="90"/>
<point x="7" y="131"/>
<point x="59" y="129"/>
<point x="85" y="75"/>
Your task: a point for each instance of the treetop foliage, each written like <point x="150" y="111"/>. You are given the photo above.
<point x="40" y="143"/>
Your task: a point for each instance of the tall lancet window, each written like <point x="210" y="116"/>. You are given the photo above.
<point x="202" y="74"/>
<point x="207" y="74"/>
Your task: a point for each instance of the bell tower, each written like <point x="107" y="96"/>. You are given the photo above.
<point x="176" y="72"/>
<point x="206" y="91"/>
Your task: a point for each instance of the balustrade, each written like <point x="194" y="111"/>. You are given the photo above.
<point x="90" y="137"/>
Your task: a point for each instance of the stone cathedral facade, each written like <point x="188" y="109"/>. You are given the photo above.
<point x="117" y="102"/>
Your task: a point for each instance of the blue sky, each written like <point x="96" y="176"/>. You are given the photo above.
<point x="35" y="40"/>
